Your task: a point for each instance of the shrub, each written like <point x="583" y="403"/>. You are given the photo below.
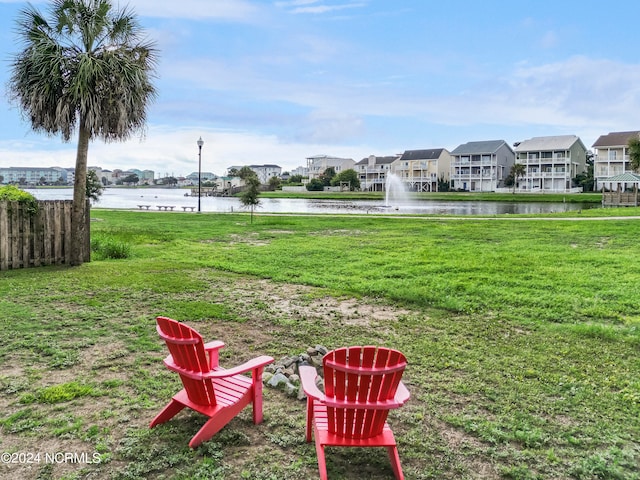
<point x="315" y="185"/>
<point x="11" y="193"/>
<point x="109" y="248"/>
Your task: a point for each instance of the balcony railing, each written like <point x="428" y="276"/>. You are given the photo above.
<point x="418" y="178"/>
<point x="467" y="176"/>
<point x="608" y="172"/>
<point x="606" y="159"/>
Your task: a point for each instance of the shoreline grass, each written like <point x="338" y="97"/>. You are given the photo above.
<point x="522" y="338"/>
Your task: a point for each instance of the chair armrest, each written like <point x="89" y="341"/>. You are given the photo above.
<point x="402" y="394"/>
<point x="214" y="345"/>
<point x="212" y="348"/>
<point x="253" y="364"/>
<point x="308" y="375"/>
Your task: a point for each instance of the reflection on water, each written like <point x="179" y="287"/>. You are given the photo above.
<point x="128" y="198"/>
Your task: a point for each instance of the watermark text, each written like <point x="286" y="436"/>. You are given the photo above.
<point x="23" y="458"/>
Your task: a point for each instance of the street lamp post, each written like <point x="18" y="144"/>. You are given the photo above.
<point x="200" y="144"/>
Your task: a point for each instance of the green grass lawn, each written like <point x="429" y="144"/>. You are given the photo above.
<point x="522" y="338"/>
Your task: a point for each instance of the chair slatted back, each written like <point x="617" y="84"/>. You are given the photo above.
<point x="187" y="350"/>
<point x="362" y="378"/>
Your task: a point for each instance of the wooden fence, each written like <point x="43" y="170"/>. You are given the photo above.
<point x="37" y="240"/>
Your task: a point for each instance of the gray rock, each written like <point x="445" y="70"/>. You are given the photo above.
<point x="277" y="380"/>
<point x="321" y="349"/>
<point x="290" y="389"/>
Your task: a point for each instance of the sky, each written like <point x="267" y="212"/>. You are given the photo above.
<point x="277" y="81"/>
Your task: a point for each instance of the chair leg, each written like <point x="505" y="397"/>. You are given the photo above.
<point x="218" y="420"/>
<point x="167" y="413"/>
<point x="207" y="431"/>
<point x="309" y="419"/>
<point x="395" y="462"/>
<point x="322" y="463"/>
<point x="257" y="399"/>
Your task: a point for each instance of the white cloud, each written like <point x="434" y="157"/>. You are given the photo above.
<point x="577" y="93"/>
<point x="235" y="10"/>
<point x="330" y="127"/>
<point x="174" y="151"/>
<point x="311" y="6"/>
<point x="295" y="3"/>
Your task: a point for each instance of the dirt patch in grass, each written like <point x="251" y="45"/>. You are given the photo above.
<point x="267" y="318"/>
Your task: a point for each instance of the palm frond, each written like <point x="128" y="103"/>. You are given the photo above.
<point x="87" y="63"/>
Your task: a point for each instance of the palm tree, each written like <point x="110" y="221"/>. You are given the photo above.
<point x="518" y="170"/>
<point x="86" y="68"/>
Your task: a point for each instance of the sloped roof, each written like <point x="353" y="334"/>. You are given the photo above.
<point x="478" y="148"/>
<point x="627" y="177"/>
<point x="558" y="142"/>
<point x="379" y="160"/>
<point x="615" y="139"/>
<point x="430" y="154"/>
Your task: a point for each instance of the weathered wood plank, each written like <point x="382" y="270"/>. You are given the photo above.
<point x="25" y="221"/>
<point x="4" y="236"/>
<point x="67" y="211"/>
<point x="57" y="234"/>
<point x="46" y="235"/>
<point x="14" y="234"/>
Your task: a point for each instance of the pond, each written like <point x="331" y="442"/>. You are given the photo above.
<point x="132" y="198"/>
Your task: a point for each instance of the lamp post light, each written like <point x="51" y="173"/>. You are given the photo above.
<point x="200" y="144"/>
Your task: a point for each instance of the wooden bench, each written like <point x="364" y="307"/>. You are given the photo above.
<point x="166" y="207"/>
<point x="185" y="208"/>
<point x="144" y="206"/>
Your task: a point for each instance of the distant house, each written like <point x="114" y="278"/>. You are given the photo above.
<point x="204" y="177"/>
<point x="372" y="172"/>
<point x="302" y="171"/>
<point x="104" y="176"/>
<point x="420" y="170"/>
<point x="319" y="163"/>
<point x="551" y="163"/>
<point x="264" y="172"/>
<point x="481" y="166"/>
<point x="611" y="156"/>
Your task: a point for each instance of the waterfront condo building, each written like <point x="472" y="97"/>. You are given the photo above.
<point x="611" y="156"/>
<point x="319" y="163"/>
<point x="481" y="166"/>
<point x="373" y="172"/>
<point x="420" y="170"/>
<point x="551" y="163"/>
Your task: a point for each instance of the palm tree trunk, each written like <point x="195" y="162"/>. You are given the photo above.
<point x="79" y="230"/>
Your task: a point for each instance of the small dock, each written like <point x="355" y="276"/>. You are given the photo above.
<point x="625" y="193"/>
<point x="204" y="192"/>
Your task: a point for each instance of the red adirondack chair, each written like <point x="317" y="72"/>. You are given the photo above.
<point x="218" y="393"/>
<point x="361" y="385"/>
